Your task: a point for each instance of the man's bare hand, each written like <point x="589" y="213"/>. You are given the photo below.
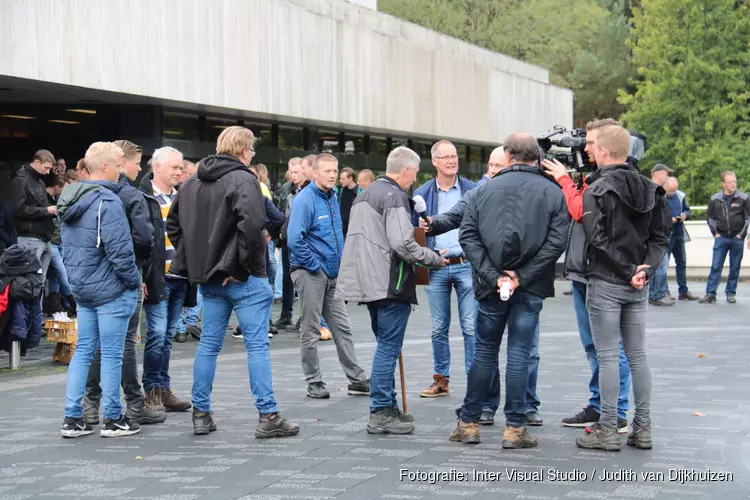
<point x="52" y="210"/>
<point x="554" y="168"/>
<point x="639" y="279"/>
<point x="717" y="236"/>
<point x="425" y="224"/>
<point x="227" y="280"/>
<point x="144" y="288"/>
<point x="510" y="277"/>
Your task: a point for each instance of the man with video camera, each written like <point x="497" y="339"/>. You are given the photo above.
<point x="574" y="269"/>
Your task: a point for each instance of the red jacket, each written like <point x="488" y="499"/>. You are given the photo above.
<point x="573" y="197"/>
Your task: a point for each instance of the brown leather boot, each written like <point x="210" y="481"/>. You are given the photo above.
<point x="172" y="402"/>
<point x="274" y="425"/>
<point x="153" y="399"/>
<point x="467" y="433"/>
<point x="517" y="437"/>
<point x="439" y="387"/>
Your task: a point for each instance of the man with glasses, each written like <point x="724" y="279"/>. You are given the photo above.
<point x="440" y="195"/>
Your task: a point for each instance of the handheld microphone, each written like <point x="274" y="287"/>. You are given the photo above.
<point x="505" y="291"/>
<point x="421" y="207"/>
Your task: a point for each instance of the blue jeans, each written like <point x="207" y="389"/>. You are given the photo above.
<point x="657" y="288"/>
<point x="584" y="330"/>
<point x="278" y="287"/>
<point x="271" y="266"/>
<point x="438" y="292"/>
<point x="677" y="249"/>
<point x="105" y="325"/>
<point x="736" y="248"/>
<point x="191" y="315"/>
<point x="58" y="278"/>
<point x="251" y="301"/>
<point x="161" y="324"/>
<point x="521" y="315"/>
<point x="532" y="400"/>
<point x="388" y="319"/>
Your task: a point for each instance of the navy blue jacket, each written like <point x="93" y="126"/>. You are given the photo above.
<point x="137" y="213"/>
<point x="428" y="191"/>
<point x="316" y="233"/>
<point x="97" y="246"/>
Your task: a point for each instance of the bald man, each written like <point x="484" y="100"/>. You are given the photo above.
<point x="495" y="164"/>
<point x="680" y="213"/>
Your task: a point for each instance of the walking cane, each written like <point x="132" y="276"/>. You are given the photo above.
<point x="403" y="380"/>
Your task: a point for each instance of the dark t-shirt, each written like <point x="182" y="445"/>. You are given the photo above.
<point x="345" y="202"/>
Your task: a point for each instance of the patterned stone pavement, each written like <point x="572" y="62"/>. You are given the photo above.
<point x="333" y="456"/>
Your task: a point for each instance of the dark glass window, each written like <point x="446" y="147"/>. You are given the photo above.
<point x="328" y="142"/>
<point x="263" y="133"/>
<point x="290" y="138"/>
<point x="215" y="126"/>
<point x="181" y="126"/>
<point x="379" y="146"/>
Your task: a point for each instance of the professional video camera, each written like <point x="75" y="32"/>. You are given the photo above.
<point x="567" y="147"/>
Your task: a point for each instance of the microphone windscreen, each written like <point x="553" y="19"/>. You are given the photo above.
<point x="419" y="204"/>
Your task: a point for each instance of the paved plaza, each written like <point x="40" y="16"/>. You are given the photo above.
<point x="699" y="357"/>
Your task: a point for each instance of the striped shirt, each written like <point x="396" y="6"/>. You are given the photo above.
<point x="165" y="202"/>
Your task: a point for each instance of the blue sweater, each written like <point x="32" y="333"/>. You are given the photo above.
<point x="96" y="241"/>
<point x="315" y="233"/>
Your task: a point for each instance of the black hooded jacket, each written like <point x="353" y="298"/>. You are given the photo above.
<point x="627" y="223"/>
<point x="153" y="266"/>
<point x="216" y="223"/>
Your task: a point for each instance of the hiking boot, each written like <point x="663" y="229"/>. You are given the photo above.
<point x="294" y="328"/>
<point x="171" y="402"/>
<point x="662" y="302"/>
<point x="283" y="322"/>
<point x="466" y="433"/>
<point x="707" y="299"/>
<point x="153" y="399"/>
<point x="317" y="390"/>
<point x="516" y="437"/>
<point x="119" y="427"/>
<point x="640" y="437"/>
<point x="384" y="421"/>
<point x="589" y="416"/>
<point x="687" y="296"/>
<point x="90" y="412"/>
<point x="203" y="422"/>
<point x="404" y="417"/>
<point x="75" y="427"/>
<point x="194" y="331"/>
<point x="602" y="437"/>
<point x="731" y="298"/>
<point x="180" y="337"/>
<point x="533" y="419"/>
<point x="143" y="415"/>
<point x="274" y="425"/>
<point x="325" y="334"/>
<point x="439" y="387"/>
<point x="359" y="388"/>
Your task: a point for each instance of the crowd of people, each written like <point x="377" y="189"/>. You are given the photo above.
<point x="201" y="239"/>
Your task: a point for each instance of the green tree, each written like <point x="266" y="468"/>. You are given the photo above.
<point x="691" y="97"/>
<point x="581" y="42"/>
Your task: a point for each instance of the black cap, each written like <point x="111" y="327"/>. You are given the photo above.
<point x="659" y="167"/>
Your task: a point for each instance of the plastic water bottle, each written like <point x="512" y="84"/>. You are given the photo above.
<point x="505" y="291"/>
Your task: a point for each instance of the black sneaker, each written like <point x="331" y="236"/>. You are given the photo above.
<point x="237" y="333"/>
<point x="622" y="425"/>
<point x="589" y="416"/>
<point x="120" y="427"/>
<point x="194" y="331"/>
<point x="317" y="390"/>
<point x="283" y="322"/>
<point x="75" y="427"/>
<point x="203" y="423"/>
<point x="601" y="437"/>
<point x="272" y="330"/>
<point x="294" y="328"/>
<point x="359" y="388"/>
<point x="708" y="299"/>
<point x="180" y="337"/>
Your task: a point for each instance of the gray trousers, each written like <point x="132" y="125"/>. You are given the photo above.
<point x="615" y="311"/>
<point x="316" y="296"/>
<point x="131" y="385"/>
<point x="43" y="251"/>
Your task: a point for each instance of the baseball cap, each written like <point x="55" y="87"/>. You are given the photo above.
<point x="661" y="167"/>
